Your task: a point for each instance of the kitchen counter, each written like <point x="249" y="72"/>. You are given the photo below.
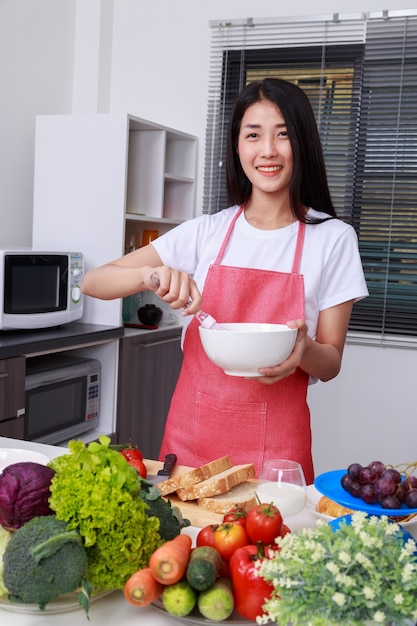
<point x="113" y="608"/>
<point x="29" y="342"/>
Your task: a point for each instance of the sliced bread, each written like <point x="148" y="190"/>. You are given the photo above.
<point x="194" y="476"/>
<point x="242" y="495"/>
<point x="220" y="483"/>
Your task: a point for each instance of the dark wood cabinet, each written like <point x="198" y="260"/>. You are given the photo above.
<point x="149" y="365"/>
<point x="12" y="396"/>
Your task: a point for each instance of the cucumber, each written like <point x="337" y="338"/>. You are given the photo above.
<point x="203" y="568"/>
<point x="179" y="599"/>
<point x="216" y="603"/>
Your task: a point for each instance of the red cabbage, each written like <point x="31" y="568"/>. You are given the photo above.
<point x="24" y="493"/>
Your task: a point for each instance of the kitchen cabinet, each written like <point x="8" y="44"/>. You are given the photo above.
<point x="148" y="371"/>
<point x="77" y="338"/>
<point x="12" y="396"/>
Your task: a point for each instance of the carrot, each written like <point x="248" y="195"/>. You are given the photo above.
<point x="168" y="563"/>
<point x="141" y="589"/>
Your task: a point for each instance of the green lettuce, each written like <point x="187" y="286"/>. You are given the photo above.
<point x="96" y="491"/>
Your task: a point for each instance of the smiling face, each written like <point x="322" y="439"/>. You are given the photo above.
<point x="264" y="149"/>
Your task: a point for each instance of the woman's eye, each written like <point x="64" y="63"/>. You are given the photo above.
<point x="283" y="133"/>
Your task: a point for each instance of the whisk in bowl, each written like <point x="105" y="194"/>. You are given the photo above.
<point x="206" y="320"/>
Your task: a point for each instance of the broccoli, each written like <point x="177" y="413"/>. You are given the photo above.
<point x="170" y="517"/>
<point x="42" y="560"/>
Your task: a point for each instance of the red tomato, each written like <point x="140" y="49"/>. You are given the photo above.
<point x="237" y="515"/>
<point x="206" y="536"/>
<point x="139" y="466"/>
<point x="228" y="537"/>
<point x="263" y="523"/>
<point x="284" y="531"/>
<point x="132" y="454"/>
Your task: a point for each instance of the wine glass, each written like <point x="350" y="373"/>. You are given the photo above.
<point x="283" y="483"/>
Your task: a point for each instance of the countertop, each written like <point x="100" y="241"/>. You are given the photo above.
<point x="26" y="342"/>
<point x="113" y="608"/>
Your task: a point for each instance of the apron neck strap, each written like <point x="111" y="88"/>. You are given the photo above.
<point x="299" y="248"/>
<point x="227" y="237"/>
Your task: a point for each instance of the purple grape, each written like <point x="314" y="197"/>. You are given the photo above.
<point x="377" y="466"/>
<point x="411" y="499"/>
<point x="354" y="469"/>
<point x="390" y="502"/>
<point x="412" y="481"/>
<point x="368" y="494"/>
<point x="392" y="473"/>
<point x="355" y="489"/>
<point x="385" y="486"/>
<point x="346" y="482"/>
<point x="367" y="476"/>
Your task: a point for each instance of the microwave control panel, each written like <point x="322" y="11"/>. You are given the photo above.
<point x="76" y="276"/>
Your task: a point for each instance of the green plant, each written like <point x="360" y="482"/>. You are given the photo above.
<point x="362" y="571"/>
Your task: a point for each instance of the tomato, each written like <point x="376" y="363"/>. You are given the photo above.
<point x="139" y="466"/>
<point x="237" y="515"/>
<point x="284" y="531"/>
<point x="132" y="454"/>
<point x="206" y="536"/>
<point x="263" y="523"/>
<point x="228" y="537"/>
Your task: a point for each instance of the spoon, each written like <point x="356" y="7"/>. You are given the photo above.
<point x="205" y="319"/>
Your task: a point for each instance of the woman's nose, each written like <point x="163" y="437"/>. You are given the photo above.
<point x="269" y="147"/>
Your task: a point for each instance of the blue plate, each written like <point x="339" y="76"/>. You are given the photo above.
<point x="329" y="485"/>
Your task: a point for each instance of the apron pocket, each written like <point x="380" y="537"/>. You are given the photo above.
<point x="217" y="423"/>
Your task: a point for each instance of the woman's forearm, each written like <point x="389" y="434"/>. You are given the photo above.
<point x="323" y="361"/>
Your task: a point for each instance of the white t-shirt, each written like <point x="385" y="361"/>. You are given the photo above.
<point x="330" y="263"/>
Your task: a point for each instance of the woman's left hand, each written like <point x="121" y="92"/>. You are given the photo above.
<point x="272" y="375"/>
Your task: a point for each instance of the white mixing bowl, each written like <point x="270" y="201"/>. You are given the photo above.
<point x="242" y="348"/>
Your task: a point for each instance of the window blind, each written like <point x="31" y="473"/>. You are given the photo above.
<point x="359" y="72"/>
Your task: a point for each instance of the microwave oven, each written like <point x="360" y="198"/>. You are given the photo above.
<point x="62" y="397"/>
<point x="39" y="289"/>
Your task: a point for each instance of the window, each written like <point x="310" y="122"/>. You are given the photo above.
<point x="360" y="73"/>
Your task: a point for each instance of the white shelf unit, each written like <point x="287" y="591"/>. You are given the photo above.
<point x="100" y="178"/>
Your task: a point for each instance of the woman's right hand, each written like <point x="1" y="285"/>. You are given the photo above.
<point x="176" y="288"/>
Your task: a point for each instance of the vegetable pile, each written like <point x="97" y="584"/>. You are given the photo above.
<point x="107" y="517"/>
<point x="220" y="575"/>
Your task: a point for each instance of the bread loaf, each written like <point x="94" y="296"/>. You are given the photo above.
<point x="242" y="495"/>
<point x="331" y="508"/>
<point x="194" y="476"/>
<point x="219" y="483"/>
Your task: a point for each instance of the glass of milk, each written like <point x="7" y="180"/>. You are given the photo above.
<point x="282" y="482"/>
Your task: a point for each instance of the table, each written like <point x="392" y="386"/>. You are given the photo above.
<point x="112" y="609"/>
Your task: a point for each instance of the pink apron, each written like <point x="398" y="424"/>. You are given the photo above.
<point x="213" y="414"/>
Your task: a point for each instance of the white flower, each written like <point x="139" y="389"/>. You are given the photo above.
<point x="398" y="598"/>
<point x="368" y="593"/>
<point x="345" y="557"/>
<point x="339" y="598"/>
<point x="332" y="567"/>
<point x="379" y="617"/>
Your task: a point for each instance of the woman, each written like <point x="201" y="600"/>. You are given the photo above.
<point x="278" y="254"/>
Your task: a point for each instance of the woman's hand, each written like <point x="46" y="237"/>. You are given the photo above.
<point x="272" y="375"/>
<point x="176" y="288"/>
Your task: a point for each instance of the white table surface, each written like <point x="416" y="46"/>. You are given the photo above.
<point x="112" y="609"/>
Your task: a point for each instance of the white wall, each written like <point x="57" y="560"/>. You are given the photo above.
<point x="36" y="73"/>
<point x="152" y="59"/>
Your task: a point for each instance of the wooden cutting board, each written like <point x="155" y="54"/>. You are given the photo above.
<point x="190" y="510"/>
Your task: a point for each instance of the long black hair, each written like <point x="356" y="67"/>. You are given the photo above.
<point x="308" y="185"/>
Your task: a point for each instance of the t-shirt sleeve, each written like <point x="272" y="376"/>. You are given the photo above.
<point x="178" y="247"/>
<point x="342" y="276"/>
